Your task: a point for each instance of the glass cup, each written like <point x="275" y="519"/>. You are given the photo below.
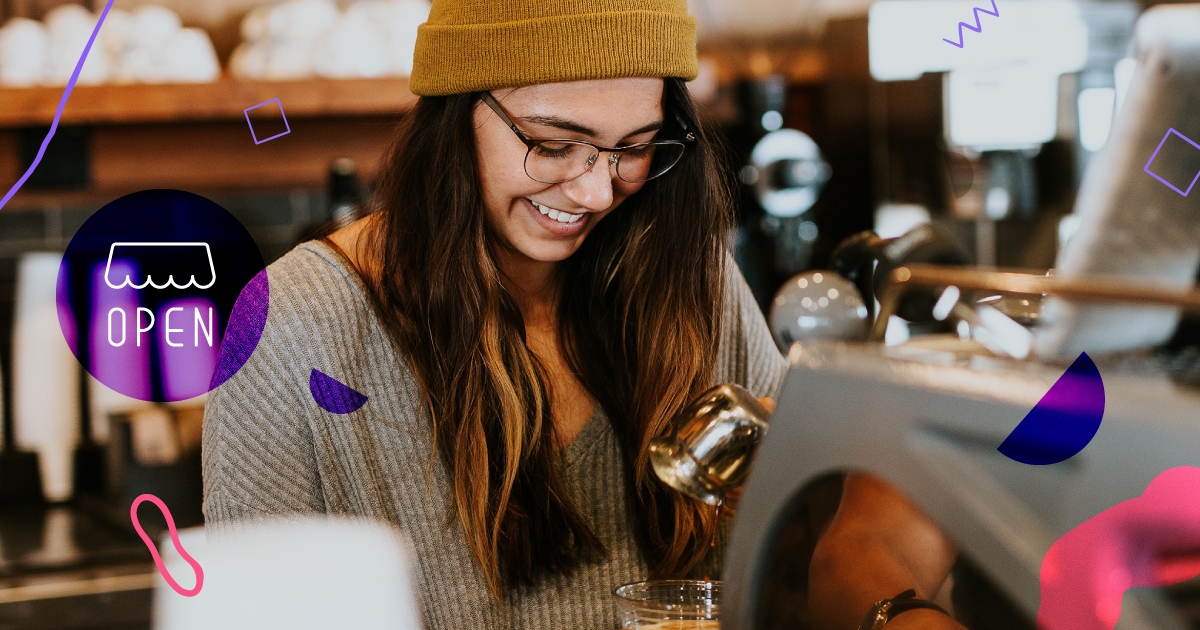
<point x="669" y="605"/>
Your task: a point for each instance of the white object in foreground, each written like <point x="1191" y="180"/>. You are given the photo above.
<point x="314" y="573"/>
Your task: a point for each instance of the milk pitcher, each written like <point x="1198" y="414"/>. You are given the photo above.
<point x="711" y="444"/>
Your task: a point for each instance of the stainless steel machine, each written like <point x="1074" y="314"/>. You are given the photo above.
<point x="929" y="415"/>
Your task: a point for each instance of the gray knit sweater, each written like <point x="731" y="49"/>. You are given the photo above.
<point x="270" y="450"/>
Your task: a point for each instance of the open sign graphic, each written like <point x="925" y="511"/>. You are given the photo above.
<point x="189" y="256"/>
<point x="139" y="302"/>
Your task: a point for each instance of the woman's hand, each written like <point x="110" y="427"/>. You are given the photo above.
<point x="733" y="496"/>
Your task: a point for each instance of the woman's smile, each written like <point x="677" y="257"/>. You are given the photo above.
<point x="557" y="222"/>
<point x="547" y="222"/>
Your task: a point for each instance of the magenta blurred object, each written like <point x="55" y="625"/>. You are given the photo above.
<point x="1150" y="540"/>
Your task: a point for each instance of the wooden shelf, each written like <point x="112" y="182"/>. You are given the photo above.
<point x="224" y="99"/>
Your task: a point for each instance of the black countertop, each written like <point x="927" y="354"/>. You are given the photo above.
<point x="67" y="567"/>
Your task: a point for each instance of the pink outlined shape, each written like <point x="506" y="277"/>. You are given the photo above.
<point x="1150" y="540"/>
<point x="174" y="540"/>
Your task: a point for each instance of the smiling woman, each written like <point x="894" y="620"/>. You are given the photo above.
<point x="545" y="287"/>
<point x="546" y="196"/>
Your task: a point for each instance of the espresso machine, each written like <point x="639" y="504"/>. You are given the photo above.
<point x="930" y="414"/>
<point x="931" y="426"/>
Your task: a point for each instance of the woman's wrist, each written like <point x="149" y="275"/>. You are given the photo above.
<point x="887" y="610"/>
<point x="922" y="619"/>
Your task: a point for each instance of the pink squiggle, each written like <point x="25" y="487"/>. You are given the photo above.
<point x="1151" y="540"/>
<point x="174" y="540"/>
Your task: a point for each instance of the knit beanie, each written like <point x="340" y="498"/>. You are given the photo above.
<point x="475" y="45"/>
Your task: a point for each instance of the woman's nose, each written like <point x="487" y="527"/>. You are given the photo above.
<point x="593" y="189"/>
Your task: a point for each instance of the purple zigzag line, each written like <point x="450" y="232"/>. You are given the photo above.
<point x="58" y="114"/>
<point x="978" y="28"/>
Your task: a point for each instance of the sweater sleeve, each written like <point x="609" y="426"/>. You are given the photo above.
<point x="747" y="353"/>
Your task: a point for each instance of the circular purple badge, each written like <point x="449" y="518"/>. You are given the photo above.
<point x="162" y="295"/>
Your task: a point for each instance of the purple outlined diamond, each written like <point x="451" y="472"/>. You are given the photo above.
<point x="1146" y="168"/>
<point x="288" y="128"/>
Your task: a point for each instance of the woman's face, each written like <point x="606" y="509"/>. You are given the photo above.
<point x="609" y="112"/>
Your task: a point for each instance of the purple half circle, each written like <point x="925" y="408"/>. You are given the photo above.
<point x="244" y="330"/>
<point x="333" y="395"/>
<point x="1064" y="421"/>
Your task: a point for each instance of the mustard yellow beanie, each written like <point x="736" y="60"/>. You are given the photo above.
<point x="474" y="45"/>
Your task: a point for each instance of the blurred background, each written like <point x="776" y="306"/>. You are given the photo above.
<point x="832" y="126"/>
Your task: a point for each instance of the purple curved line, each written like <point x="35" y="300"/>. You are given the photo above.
<point x="61" y="104"/>
<point x="978" y="28"/>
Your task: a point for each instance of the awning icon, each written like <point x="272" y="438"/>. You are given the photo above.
<point x="163" y="259"/>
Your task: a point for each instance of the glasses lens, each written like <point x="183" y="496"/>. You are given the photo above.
<point x="648" y="161"/>
<point x="556" y="161"/>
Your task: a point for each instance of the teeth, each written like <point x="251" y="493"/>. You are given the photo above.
<point x="557" y="215"/>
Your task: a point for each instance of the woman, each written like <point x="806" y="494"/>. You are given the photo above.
<point x="523" y="316"/>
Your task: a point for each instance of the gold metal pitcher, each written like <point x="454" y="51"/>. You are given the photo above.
<point x="711" y="444"/>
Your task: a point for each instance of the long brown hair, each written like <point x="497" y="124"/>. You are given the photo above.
<point x="639" y="320"/>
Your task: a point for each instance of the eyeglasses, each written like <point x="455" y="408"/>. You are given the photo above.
<point x="557" y="161"/>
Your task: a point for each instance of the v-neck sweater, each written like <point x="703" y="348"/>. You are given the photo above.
<point x="270" y="450"/>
